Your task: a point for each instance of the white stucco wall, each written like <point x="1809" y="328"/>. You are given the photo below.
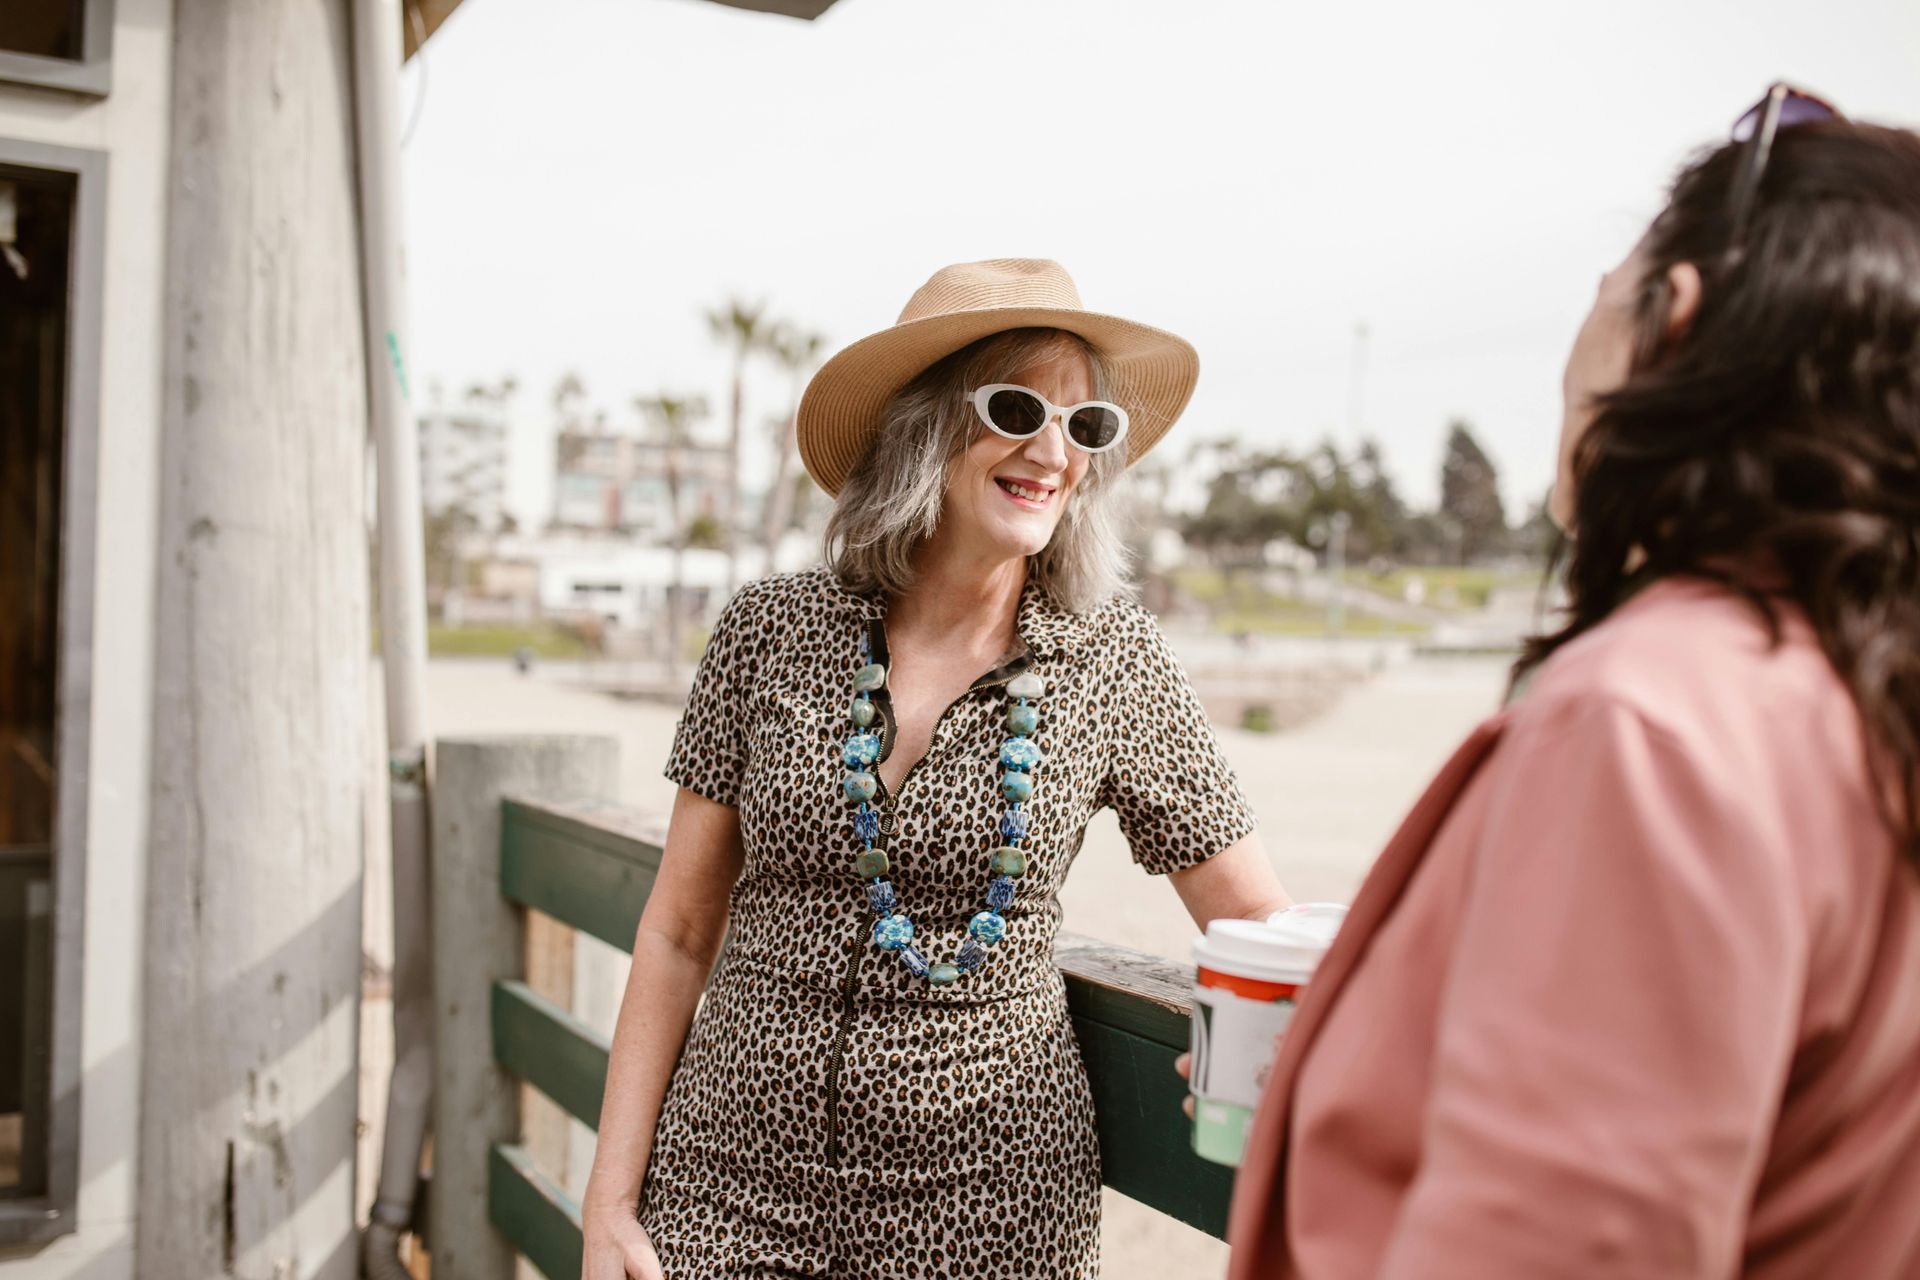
<point x="131" y="127"/>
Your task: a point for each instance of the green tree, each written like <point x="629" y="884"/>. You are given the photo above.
<point x="1470" y="495"/>
<point x="1385" y="518"/>
<point x="1359" y="487"/>
<point x="743" y="327"/>
<point x="568" y="391"/>
<point x="671" y="420"/>
<point x="797" y="352"/>
<point x="1253" y="497"/>
<point x="443" y="533"/>
<point x="1539" y="535"/>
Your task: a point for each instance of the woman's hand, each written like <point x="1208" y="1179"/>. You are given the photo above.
<point x="1184" y="1065"/>
<point x="615" y="1246"/>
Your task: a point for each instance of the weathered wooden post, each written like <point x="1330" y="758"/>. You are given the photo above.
<point x="479" y="938"/>
<point x="251" y="1004"/>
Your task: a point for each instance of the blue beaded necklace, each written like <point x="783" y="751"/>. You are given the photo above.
<point x="1019" y="757"/>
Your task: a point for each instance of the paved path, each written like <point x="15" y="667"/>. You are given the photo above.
<point x="1329" y="794"/>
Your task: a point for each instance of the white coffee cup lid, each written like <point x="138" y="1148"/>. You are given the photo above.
<point x="1311" y="919"/>
<point x="1285" y="947"/>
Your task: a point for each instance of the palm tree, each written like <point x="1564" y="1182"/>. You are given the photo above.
<point x="565" y="392"/>
<point x="796" y="351"/>
<point x="672" y="419"/>
<point x="743" y="326"/>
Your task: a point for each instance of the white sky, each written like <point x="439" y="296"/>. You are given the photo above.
<point x="586" y="176"/>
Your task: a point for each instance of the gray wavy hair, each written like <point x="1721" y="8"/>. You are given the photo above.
<point x="892" y="501"/>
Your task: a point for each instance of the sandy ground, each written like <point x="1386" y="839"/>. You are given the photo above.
<point x="1329" y="794"/>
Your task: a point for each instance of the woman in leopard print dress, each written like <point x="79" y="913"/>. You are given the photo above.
<point x="828" y="1110"/>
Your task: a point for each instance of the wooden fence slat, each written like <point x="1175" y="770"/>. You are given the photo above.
<point x="533" y="1212"/>
<point x="1146" y="1151"/>
<point x="566" y="862"/>
<point x="550" y="1049"/>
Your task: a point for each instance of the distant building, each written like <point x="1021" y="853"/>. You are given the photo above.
<point x="463" y="463"/>
<point x="617" y="483"/>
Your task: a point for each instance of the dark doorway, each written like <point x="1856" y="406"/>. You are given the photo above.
<point x="37" y="211"/>
<point x="45" y="28"/>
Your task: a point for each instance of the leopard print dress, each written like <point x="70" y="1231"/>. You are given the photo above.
<point x="831" y="1114"/>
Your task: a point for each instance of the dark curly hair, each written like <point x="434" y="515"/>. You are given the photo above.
<point x="1774" y="446"/>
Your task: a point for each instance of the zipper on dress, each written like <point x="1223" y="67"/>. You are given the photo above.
<point x="836" y="1058"/>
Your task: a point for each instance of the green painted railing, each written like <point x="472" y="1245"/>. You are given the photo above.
<point x="592" y="866"/>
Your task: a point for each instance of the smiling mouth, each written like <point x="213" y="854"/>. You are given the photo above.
<point x="1024" y="493"/>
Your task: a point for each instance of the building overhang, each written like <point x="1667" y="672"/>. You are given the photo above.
<point x="425" y="16"/>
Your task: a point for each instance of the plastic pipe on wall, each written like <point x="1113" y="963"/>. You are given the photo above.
<point x="403" y="624"/>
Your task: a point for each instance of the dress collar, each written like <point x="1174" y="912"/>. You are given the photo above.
<point x="1046" y="628"/>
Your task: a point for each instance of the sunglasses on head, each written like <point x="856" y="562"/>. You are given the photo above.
<point x="1020" y="413"/>
<point x="1784" y="107"/>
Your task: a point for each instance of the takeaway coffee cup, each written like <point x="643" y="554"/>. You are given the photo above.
<point x="1250" y="975"/>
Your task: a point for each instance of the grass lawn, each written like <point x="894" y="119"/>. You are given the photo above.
<point x="1295" y="618"/>
<point x="1241" y="605"/>
<point x="499" y="641"/>
<point x="1470" y="586"/>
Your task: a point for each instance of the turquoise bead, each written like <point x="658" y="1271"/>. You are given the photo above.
<point x="892" y="932"/>
<point x="1027" y="684"/>
<point x="861" y="786"/>
<point x="988" y="926"/>
<point x="1009" y="861"/>
<point x="1019" y="753"/>
<point x="862" y="750"/>
<point x="871" y="864"/>
<point x="871" y="676"/>
<point x="942" y="974"/>
<point x="864" y="712"/>
<point x="1016" y="787"/>
<point x="1022" y="720"/>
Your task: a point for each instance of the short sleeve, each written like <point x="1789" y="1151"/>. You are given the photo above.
<point x="709" y="753"/>
<point x="1167" y="779"/>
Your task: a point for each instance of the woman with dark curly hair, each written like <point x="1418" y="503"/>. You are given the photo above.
<point x="1635" y="991"/>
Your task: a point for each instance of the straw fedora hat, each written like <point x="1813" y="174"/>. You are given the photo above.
<point x="1154" y="370"/>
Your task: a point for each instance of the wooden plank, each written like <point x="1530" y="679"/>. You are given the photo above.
<point x="536" y="1215"/>
<point x="1146" y="1151"/>
<point x="550" y="1049"/>
<point x="1132" y="990"/>
<point x="806" y="10"/>
<point x="544" y="1128"/>
<point x="588" y="865"/>
<point x="427" y="15"/>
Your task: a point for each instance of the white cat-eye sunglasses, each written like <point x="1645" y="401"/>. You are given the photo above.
<point x="1020" y="413"/>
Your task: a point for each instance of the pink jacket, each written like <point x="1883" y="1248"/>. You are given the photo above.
<point x="1634" y="992"/>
